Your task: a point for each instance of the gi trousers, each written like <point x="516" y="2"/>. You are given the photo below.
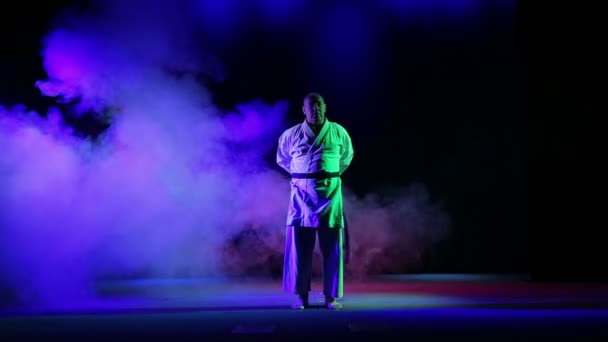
<point x="297" y="265"/>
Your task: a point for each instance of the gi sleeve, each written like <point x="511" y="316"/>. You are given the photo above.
<point x="347" y="152"/>
<point x="283" y="152"/>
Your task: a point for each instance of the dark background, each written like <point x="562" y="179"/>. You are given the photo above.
<point x="485" y="106"/>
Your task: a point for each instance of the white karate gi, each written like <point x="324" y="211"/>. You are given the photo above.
<point x="315" y="163"/>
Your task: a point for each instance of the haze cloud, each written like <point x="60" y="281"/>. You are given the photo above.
<point x="174" y="187"/>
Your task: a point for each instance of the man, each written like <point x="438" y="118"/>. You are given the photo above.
<point x="315" y="153"/>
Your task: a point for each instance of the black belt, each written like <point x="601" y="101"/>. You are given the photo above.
<point x="316" y="175"/>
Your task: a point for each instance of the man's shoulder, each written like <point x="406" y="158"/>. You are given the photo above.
<point x="291" y="130"/>
<point x="339" y="127"/>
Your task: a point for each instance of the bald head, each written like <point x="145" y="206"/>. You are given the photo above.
<point x="313" y="96"/>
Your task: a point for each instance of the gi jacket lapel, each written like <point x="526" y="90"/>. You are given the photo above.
<point x="322" y="134"/>
<point x="319" y="138"/>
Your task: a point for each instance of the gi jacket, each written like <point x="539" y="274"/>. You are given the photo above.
<point x="315" y="163"/>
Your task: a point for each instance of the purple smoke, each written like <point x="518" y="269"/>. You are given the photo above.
<point x="175" y="187"/>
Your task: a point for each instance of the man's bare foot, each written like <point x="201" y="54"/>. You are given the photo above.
<point x="301" y="303"/>
<point x="332" y="304"/>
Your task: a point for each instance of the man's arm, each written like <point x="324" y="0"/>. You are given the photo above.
<point x="283" y="155"/>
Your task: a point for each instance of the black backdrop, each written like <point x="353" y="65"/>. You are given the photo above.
<point x="483" y="107"/>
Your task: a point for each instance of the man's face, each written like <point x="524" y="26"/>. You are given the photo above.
<point x="314" y="110"/>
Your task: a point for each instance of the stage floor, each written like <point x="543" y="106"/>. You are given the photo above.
<point x="394" y="307"/>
